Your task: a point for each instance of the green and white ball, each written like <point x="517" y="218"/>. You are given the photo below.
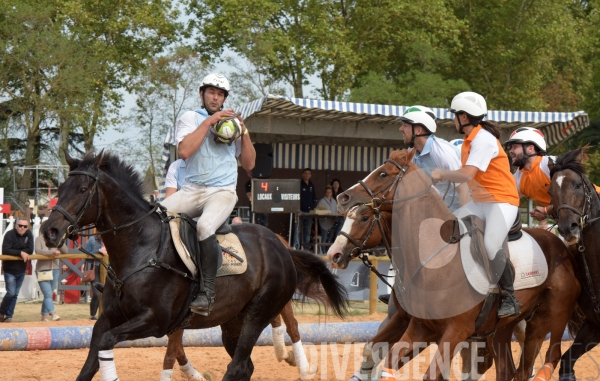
<point x="227" y="130"/>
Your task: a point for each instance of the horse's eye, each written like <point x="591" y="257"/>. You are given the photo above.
<point x="83" y="190"/>
<point x="577" y="185"/>
<point x="383" y="175"/>
<point x="365" y="218"/>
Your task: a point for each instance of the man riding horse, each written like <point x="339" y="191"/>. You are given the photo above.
<point x="486" y="170"/>
<point x="210" y="176"/>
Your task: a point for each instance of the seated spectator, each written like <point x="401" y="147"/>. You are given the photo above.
<point x="336" y="184"/>
<point x="48" y="286"/>
<point x="19" y="243"/>
<point x="326" y="224"/>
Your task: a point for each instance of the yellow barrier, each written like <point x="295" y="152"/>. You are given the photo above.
<point x="372" y="277"/>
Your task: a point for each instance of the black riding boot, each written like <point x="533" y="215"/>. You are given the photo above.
<point x="209" y="263"/>
<point x="510" y="304"/>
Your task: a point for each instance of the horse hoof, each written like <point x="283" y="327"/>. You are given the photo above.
<point x="291" y="359"/>
<point x="209" y="376"/>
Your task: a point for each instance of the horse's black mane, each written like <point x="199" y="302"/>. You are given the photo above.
<point x="569" y="160"/>
<point x="121" y="172"/>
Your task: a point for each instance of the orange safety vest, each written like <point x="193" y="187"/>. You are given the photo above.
<point x="535" y="183"/>
<point x="497" y="183"/>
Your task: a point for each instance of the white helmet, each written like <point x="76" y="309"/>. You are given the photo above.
<point x="420" y="115"/>
<point x="469" y="102"/>
<point x="528" y="135"/>
<point x="215" y="80"/>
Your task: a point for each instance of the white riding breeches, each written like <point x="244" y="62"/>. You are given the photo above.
<point x="498" y="218"/>
<point x="212" y="204"/>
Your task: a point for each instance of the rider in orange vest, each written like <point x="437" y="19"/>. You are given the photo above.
<point x="486" y="170"/>
<point x="527" y="148"/>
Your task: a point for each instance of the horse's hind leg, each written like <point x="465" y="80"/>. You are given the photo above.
<point x="296" y="356"/>
<point x="586" y="339"/>
<point x="175" y="351"/>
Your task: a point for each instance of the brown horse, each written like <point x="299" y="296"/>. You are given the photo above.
<point x="549" y="305"/>
<point x="577" y="209"/>
<point x="295" y="357"/>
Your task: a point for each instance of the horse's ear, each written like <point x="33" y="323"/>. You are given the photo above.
<point x="550" y="164"/>
<point x="73" y="163"/>
<point x="99" y="159"/>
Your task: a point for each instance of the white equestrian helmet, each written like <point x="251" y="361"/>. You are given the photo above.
<point x="471" y="103"/>
<point x="528" y="135"/>
<point x="420" y="115"/>
<point x="215" y="80"/>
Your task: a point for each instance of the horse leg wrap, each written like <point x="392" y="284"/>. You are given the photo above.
<point x="279" y="342"/>
<point x="108" y="371"/>
<point x="306" y="371"/>
<point x="190" y="372"/>
<point x="166" y="375"/>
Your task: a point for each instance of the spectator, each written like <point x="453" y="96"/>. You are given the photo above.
<point x="259" y="218"/>
<point x="326" y="224"/>
<point x="19" y="243"/>
<point x="336" y="184"/>
<point x="48" y="286"/>
<point x="308" y="200"/>
<point x="95" y="246"/>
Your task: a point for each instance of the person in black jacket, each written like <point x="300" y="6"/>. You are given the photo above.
<point x="308" y="201"/>
<point x="17" y="242"/>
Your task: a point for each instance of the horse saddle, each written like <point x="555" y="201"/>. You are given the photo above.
<point x="185" y="237"/>
<point x="527" y="258"/>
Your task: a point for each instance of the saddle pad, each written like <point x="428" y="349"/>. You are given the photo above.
<point x="531" y="268"/>
<point x="230" y="266"/>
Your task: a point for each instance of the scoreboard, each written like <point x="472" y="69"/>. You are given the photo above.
<point x="275" y="196"/>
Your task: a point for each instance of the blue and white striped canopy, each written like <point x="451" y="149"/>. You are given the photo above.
<point x="557" y="126"/>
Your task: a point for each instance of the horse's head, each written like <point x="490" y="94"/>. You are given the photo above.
<point x="78" y="200"/>
<point x="572" y="194"/>
<point x="360" y="231"/>
<point x="379" y="184"/>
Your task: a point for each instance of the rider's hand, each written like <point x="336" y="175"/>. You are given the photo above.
<point x="539" y="213"/>
<point x="436" y="175"/>
<point x="217" y="116"/>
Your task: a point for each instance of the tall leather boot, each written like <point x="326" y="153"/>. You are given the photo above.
<point x="209" y="263"/>
<point x="510" y="304"/>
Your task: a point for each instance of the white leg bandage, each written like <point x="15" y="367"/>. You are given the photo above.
<point x="166" y="375"/>
<point x="108" y="371"/>
<point x="190" y="372"/>
<point x="301" y="361"/>
<point x="278" y="334"/>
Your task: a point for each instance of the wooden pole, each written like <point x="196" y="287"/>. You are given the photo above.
<point x="102" y="280"/>
<point x="373" y="288"/>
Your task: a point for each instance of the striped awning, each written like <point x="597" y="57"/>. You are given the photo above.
<point x="557" y="126"/>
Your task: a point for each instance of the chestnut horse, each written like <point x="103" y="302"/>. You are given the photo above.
<point x="549" y="305"/>
<point x="577" y="210"/>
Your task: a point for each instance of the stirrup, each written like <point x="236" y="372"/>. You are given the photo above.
<point x="202" y="304"/>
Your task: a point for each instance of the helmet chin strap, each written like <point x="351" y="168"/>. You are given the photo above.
<point x="461" y="126"/>
<point x="526" y="156"/>
<point x="412" y="140"/>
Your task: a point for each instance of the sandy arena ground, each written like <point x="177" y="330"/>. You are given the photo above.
<point x="336" y="362"/>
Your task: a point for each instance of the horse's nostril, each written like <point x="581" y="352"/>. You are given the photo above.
<point x="574" y="226"/>
<point x="345" y="199"/>
<point x="337" y="257"/>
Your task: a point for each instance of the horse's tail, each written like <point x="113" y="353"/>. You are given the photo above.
<point x="315" y="281"/>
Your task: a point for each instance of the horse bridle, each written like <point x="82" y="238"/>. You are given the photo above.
<point x="376" y="202"/>
<point x="358" y="247"/>
<point x="585" y="213"/>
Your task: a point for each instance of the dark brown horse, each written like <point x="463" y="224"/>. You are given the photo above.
<point x="577" y="210"/>
<point x="147" y="292"/>
<point x="418" y="203"/>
